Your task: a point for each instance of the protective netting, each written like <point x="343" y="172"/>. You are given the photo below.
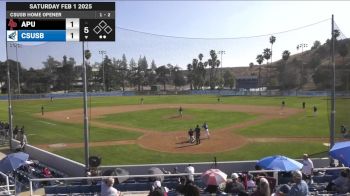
<point x="56" y="68"/>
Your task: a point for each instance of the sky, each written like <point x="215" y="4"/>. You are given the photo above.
<point x="201" y="21"/>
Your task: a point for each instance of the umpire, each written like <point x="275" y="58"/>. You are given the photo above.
<point x="198" y="134"/>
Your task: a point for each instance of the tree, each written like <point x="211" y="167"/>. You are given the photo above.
<point x="343" y="51"/>
<point x="285" y="57"/>
<point x="110" y="73"/>
<point x="123" y="71"/>
<point x="162" y="75"/>
<point x="201" y="70"/>
<point x="259" y="60"/>
<point x="179" y="78"/>
<point x="251" y="65"/>
<point x="140" y="74"/>
<point x="272" y="41"/>
<point x="36" y="81"/>
<point x="229" y="79"/>
<point x="316" y="45"/>
<point x="66" y="75"/>
<point x="152" y="76"/>
<point x="267" y="55"/>
<point x="213" y="63"/>
<point x="51" y="67"/>
<point x="132" y="74"/>
<point x="190" y="75"/>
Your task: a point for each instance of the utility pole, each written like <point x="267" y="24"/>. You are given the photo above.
<point x="9" y="97"/>
<point x="86" y="117"/>
<point x="332" y="117"/>
<point x="18" y="82"/>
<point x="103" y="52"/>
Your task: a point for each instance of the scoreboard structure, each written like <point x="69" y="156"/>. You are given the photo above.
<point x="60" y="22"/>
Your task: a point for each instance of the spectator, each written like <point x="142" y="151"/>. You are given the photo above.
<point x="341" y="184"/>
<point x="157" y="189"/>
<point x="308" y="167"/>
<point x="15" y="131"/>
<point x="107" y="188"/>
<point x="180" y="188"/>
<point x="250" y="183"/>
<point x="283" y="190"/>
<point x="234" y="186"/>
<point x="22" y="138"/>
<point x="191" y="189"/>
<point x="300" y="188"/>
<point x="190" y="170"/>
<point x="263" y="188"/>
<point x="46" y="172"/>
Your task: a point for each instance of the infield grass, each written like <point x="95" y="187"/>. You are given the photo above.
<point x="169" y="119"/>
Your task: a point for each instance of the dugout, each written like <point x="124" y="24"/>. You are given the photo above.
<point x="246" y="82"/>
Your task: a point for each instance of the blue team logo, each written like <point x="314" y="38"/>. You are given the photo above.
<point x="12" y="36"/>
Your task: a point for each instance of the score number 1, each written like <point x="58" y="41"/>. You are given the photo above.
<point x="72" y="29"/>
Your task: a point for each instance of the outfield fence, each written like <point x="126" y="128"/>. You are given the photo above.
<point x="224" y="92"/>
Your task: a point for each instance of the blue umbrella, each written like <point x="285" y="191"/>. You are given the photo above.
<point x="13" y="161"/>
<point x="341" y="152"/>
<point x="279" y="162"/>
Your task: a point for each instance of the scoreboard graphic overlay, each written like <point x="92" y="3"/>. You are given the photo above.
<point x="60" y="22"/>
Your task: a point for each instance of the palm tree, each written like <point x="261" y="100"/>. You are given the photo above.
<point x="251" y="65"/>
<point x="285" y="57"/>
<point x="259" y="60"/>
<point x="267" y="55"/>
<point x="272" y="41"/>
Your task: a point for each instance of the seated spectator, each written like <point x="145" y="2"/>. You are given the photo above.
<point x="234" y="186"/>
<point x="107" y="188"/>
<point x="300" y="188"/>
<point x="250" y="183"/>
<point x="341" y="184"/>
<point x="46" y="172"/>
<point x="157" y="189"/>
<point x="191" y="189"/>
<point x="180" y="188"/>
<point x="263" y="188"/>
<point x="282" y="190"/>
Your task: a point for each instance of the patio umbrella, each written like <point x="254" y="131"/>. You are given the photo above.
<point x="279" y="162"/>
<point x="13" y="161"/>
<point x="213" y="177"/>
<point x="117" y="172"/>
<point x="155" y="170"/>
<point x="341" y="152"/>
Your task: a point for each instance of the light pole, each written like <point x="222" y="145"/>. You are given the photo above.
<point x="103" y="52"/>
<point x="301" y="46"/>
<point x="18" y="83"/>
<point x="221" y="52"/>
<point x="10" y="116"/>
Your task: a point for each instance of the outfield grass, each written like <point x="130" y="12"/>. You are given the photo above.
<point x="169" y="120"/>
<point x="131" y="154"/>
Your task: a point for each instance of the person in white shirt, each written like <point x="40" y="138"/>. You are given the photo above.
<point x="308" y="167"/>
<point x="107" y="188"/>
<point x="190" y="170"/>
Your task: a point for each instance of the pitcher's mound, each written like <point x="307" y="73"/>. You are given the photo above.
<point x="178" y="117"/>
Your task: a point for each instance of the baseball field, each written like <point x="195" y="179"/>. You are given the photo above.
<point x="124" y="131"/>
